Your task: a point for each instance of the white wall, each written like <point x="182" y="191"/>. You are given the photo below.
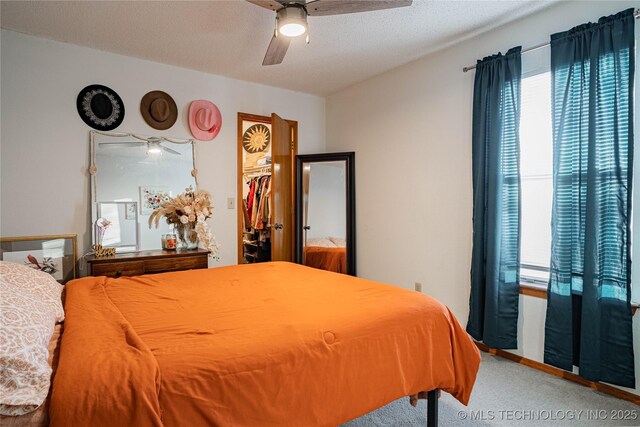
<point x="45" y="145"/>
<point x="411" y="131"/>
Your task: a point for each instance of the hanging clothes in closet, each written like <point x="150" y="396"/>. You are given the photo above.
<point x="258" y="212"/>
<point x="257" y="220"/>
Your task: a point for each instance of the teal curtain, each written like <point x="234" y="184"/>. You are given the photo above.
<point x="495" y="265"/>
<point x="588" y="321"/>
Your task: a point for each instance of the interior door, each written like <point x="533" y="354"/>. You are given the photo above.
<point x="282" y="230"/>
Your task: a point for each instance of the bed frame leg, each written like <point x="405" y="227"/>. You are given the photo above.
<point x="432" y="408"/>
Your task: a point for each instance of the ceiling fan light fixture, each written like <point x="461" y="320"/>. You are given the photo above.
<point x="292" y="21"/>
<point x="292" y="29"/>
<point x="154" y="148"/>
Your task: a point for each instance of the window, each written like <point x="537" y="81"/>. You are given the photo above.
<point x="536" y="174"/>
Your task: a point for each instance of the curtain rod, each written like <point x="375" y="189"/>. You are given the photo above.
<point x="636" y="15"/>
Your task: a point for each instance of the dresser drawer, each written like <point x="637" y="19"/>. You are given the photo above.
<point x="175" y="264"/>
<point x="117" y="269"/>
<point x="148" y="262"/>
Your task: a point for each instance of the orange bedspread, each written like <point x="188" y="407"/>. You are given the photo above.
<point x="272" y="344"/>
<point x="330" y="259"/>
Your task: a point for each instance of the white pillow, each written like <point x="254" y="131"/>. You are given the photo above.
<point x="340" y="242"/>
<point x="322" y="242"/>
<point x="30" y="306"/>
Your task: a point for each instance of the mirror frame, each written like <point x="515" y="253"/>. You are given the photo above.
<point x="93" y="170"/>
<point x="350" y="173"/>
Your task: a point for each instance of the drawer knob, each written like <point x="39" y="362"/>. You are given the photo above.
<point x="117" y="274"/>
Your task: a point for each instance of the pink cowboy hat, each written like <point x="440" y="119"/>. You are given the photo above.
<point x="205" y="120"/>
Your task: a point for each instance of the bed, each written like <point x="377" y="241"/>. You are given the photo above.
<point x="326" y="254"/>
<point x="271" y="344"/>
<point x="220" y="347"/>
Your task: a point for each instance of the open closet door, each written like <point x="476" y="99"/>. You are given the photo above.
<point x="282" y="231"/>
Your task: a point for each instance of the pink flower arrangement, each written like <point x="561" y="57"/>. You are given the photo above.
<point x="101" y="227"/>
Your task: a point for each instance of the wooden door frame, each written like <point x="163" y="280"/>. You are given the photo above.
<point x="266" y="120"/>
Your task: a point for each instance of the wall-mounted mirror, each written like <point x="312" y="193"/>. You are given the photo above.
<point x="325" y="213"/>
<point x="129" y="168"/>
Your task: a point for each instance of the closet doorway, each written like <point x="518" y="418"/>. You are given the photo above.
<point x="267" y="147"/>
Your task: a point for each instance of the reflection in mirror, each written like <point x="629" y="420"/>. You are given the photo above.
<point x="122" y="232"/>
<point x="325" y="219"/>
<point x="325" y="231"/>
<point x="147" y="170"/>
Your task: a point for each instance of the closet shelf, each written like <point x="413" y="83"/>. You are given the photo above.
<point x="260" y="170"/>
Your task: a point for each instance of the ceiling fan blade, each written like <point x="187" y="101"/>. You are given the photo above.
<point x="339" y="7"/>
<point x="276" y="50"/>
<point x="170" y="150"/>
<point x="267" y="4"/>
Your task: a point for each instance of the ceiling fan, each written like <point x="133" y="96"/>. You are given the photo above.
<point x="153" y="146"/>
<point x="291" y="18"/>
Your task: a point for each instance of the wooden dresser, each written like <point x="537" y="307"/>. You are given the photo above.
<point x="147" y="262"/>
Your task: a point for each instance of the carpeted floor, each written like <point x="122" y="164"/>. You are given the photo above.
<point x="510" y="394"/>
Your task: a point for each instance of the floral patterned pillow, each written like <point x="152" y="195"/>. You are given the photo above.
<point x="30" y="306"/>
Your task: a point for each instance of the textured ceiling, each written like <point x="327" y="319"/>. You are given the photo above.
<point x="229" y="38"/>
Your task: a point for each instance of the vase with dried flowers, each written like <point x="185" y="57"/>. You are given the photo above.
<point x="188" y="213"/>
